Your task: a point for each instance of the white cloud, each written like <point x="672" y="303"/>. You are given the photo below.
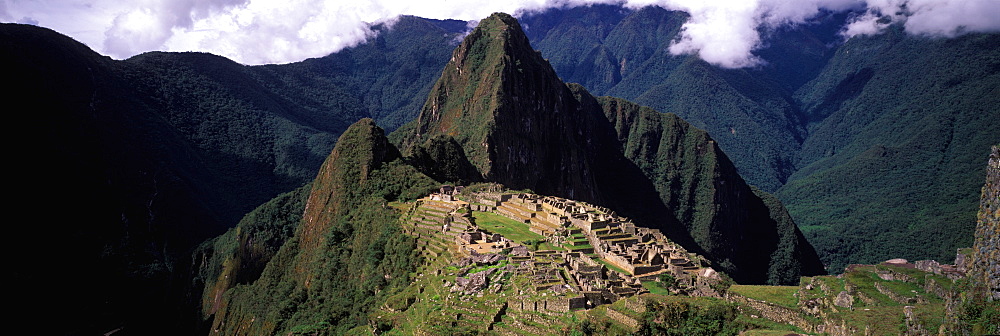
<point x="723" y="32"/>
<point x="947" y="18"/>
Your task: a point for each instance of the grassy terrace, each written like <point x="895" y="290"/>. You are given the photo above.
<point x="506" y="227"/>
<point x="577" y="247"/>
<point x="511" y="229"/>
<point x="610" y="266"/>
<point x="779" y="295"/>
<point x="654" y="287"/>
<point x="403" y="207"/>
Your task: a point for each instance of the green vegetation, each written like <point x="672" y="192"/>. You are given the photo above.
<point x="625" y="54"/>
<point x="780" y="295"/>
<point x="899" y="177"/>
<point x="352" y="246"/>
<point x="659" y="170"/>
<point x="170" y="149"/>
<point x="878" y="144"/>
<point x="240" y="255"/>
<point x="509" y="228"/>
<point x="667" y="281"/>
<point x="658" y="288"/>
<point x="682" y="318"/>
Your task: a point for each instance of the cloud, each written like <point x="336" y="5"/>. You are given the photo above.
<point x="722" y="32"/>
<point x="936" y="18"/>
<point x="726" y="32"/>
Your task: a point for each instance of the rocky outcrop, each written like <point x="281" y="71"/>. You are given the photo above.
<point x="844" y="299"/>
<point x="985" y="270"/>
<point x="474" y="283"/>
<point x="913" y="327"/>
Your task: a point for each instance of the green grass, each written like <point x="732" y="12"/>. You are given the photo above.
<point x="654" y="287"/>
<point x="612" y="267"/>
<point x="401" y="206"/>
<point x="779" y="295"/>
<point x="542" y="246"/>
<point x="578" y="247"/>
<point x="509" y="228"/>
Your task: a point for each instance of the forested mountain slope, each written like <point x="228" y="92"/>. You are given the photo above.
<point x="893" y="162"/>
<point x="874" y="142"/>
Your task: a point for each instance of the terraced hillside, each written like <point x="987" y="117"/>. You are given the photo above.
<point x="499" y="262"/>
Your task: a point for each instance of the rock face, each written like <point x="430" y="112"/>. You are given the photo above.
<point x="520" y="125"/>
<point x="985" y="270"/>
<point x="844" y="299"/>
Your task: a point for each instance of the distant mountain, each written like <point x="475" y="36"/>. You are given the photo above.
<point x="505" y="106"/>
<point x="874" y="143"/>
<point x="750" y="112"/>
<point x="899" y="126"/>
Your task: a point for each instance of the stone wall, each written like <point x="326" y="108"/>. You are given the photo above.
<point x="837" y="328"/>
<point x="629" y="322"/>
<point x="557" y="304"/>
<point x="889" y="274"/>
<point x="931" y="286"/>
<point x="773" y="312"/>
<point x="893" y="295"/>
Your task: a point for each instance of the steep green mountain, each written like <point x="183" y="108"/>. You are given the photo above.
<point x="346" y="254"/>
<point x="152" y="155"/>
<point x="893" y="163"/>
<point x="511" y="114"/>
<point x="115" y="195"/>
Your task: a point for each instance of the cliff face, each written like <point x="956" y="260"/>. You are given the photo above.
<point x="519" y="125"/>
<point x="985" y="270"/>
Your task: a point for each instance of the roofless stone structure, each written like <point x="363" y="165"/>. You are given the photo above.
<point x="593" y="256"/>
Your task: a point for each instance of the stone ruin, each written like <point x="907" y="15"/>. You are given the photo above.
<point x="577" y="278"/>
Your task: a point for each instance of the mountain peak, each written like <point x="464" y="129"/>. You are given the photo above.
<point x="497" y="42"/>
<point x="494" y="81"/>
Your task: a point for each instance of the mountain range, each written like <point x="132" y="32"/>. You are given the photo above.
<point x="874" y="144"/>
